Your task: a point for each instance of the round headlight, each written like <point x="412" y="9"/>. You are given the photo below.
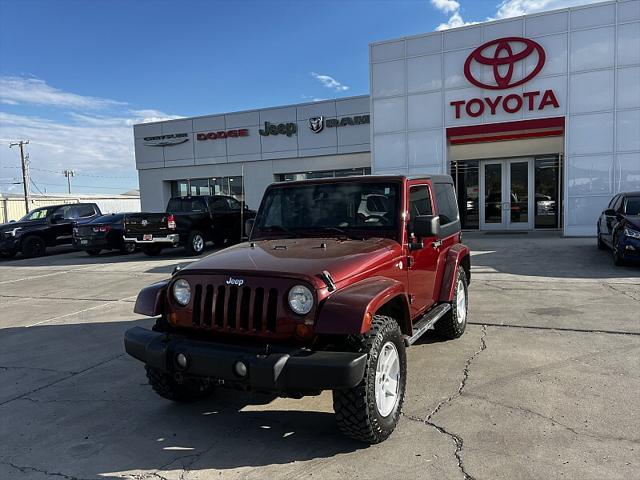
<point x="182" y="292"/>
<point x="300" y="299"/>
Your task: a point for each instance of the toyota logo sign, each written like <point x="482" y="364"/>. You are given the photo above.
<point x="507" y="53"/>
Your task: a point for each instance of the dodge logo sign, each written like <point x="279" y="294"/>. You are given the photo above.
<point x="316" y="124"/>
<point x="503" y="54"/>
<point x="166" y="140"/>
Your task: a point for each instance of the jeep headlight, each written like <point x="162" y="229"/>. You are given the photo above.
<point x="300" y="299"/>
<point x="182" y="292"/>
<point x="629" y="232"/>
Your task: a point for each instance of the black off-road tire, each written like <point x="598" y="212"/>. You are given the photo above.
<point x="356" y="411"/>
<point x="33" y="247"/>
<point x="453" y="324"/>
<point x="93" y="252"/>
<point x="7" y="255"/>
<point x="152" y="250"/>
<point x="195" y="243"/>
<point x="618" y="260"/>
<point x="190" y="390"/>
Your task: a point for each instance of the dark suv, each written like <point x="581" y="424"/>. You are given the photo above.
<point x="339" y="277"/>
<point x="44" y="227"/>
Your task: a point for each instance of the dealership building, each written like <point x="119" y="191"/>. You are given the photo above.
<point x="537" y="119"/>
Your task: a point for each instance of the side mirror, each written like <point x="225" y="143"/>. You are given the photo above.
<point x="248" y="226"/>
<point x="426" y="226"/>
<point x="610" y="212"/>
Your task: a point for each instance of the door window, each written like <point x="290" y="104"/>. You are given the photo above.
<point x="83" y="211"/>
<point x="220" y="205"/>
<point x="617" y="206"/>
<point x="447" y="203"/>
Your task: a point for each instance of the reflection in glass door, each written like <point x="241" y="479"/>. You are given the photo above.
<point x="506" y="200"/>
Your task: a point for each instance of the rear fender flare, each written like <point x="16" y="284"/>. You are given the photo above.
<point x="456" y="256"/>
<point x="350" y="310"/>
<point x="150" y="301"/>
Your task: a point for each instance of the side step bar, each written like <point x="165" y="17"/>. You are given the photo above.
<point x="426" y="323"/>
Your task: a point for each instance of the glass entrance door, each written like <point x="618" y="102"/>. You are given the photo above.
<point x="506" y="202"/>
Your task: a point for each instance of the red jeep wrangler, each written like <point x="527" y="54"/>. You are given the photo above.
<point x="338" y="278"/>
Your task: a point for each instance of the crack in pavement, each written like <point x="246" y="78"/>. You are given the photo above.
<point x="622" y="292"/>
<point x="457" y="439"/>
<point x="25" y="468"/>
<point x="38" y="369"/>
<point x="26" y="394"/>
<point x="553" y="420"/>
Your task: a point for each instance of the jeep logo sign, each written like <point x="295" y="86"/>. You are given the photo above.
<point x="235" y="281"/>
<point x="287" y="129"/>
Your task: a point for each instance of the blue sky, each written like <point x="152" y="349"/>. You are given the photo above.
<point x="75" y="75"/>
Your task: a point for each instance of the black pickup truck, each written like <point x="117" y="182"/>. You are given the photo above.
<point x="190" y="222"/>
<point x="44" y="227"/>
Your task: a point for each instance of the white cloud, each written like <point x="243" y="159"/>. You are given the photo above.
<point x="78" y="137"/>
<point x="330" y="82"/>
<point x="506" y="9"/>
<point x="446" y="6"/>
<point x="33" y="91"/>
<point x="515" y="8"/>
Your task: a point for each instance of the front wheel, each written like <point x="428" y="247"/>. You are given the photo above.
<point x="128" y="248"/>
<point x="618" y="259"/>
<point x="454" y="322"/>
<point x="33" y="247"/>
<point x="370" y="411"/>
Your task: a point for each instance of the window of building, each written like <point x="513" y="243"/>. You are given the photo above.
<point x="446" y="201"/>
<point x="349" y="172"/>
<point x="208" y="186"/>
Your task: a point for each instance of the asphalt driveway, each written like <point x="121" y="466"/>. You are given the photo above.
<point x="544" y="384"/>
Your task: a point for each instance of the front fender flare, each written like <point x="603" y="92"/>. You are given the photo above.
<point x="150" y="301"/>
<point x="349" y="311"/>
<point x="457" y="255"/>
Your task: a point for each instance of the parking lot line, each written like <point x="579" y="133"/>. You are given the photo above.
<point x="81" y="311"/>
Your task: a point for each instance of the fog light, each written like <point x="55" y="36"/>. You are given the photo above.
<point x="240" y="369"/>
<point x="181" y="360"/>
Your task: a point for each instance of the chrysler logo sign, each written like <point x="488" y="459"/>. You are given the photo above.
<point x="166" y="140"/>
<point x="508" y="52"/>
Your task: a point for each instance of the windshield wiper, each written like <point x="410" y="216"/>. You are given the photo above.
<point x="342" y="232"/>
<point x="279" y="229"/>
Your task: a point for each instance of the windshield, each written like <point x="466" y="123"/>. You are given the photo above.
<point x="38" y="214"/>
<point x="331" y="208"/>
<point x="633" y="206"/>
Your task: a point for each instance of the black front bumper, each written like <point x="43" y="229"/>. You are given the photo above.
<point x="9" y="244"/>
<point x="278" y="371"/>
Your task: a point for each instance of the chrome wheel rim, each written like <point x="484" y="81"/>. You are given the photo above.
<point x="387" y="383"/>
<point x="461" y="303"/>
<point x="198" y="243"/>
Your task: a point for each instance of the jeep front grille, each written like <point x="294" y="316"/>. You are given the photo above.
<point x="234" y="308"/>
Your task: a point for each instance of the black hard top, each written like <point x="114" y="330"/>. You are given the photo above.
<point x="436" y="178"/>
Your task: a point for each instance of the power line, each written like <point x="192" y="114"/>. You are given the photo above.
<point x="76" y="173"/>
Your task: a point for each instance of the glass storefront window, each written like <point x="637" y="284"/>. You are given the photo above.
<point x="466" y="180"/>
<point x="200" y="186"/>
<point x="231" y="186"/>
<point x="350" y="172"/>
<point x="547" y="190"/>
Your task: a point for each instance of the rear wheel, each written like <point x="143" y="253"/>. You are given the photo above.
<point x="94" y="252"/>
<point x="152" y="250"/>
<point x="187" y="391"/>
<point x="370" y="411"/>
<point x="128" y="248"/>
<point x="33" y="247"/>
<point x="195" y="243"/>
<point x="454" y="322"/>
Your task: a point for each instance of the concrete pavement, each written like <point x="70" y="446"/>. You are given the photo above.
<point x="544" y="384"/>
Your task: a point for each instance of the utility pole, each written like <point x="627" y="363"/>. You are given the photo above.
<point x="25" y="170"/>
<point x="69" y="174"/>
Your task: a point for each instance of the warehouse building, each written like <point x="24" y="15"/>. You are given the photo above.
<point x="537" y="119"/>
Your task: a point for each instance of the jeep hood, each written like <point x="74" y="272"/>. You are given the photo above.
<point x="301" y="257"/>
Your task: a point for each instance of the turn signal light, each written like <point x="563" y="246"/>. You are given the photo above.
<point x="171" y="222"/>
<point x="366" y="325"/>
<point x="304" y="331"/>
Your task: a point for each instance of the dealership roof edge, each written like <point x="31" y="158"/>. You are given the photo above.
<point x="276" y="107"/>
<point x="493" y="22"/>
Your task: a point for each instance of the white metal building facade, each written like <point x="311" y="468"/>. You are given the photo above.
<point x="537" y="118"/>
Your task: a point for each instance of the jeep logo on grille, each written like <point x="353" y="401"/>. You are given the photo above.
<point x="235" y="281"/>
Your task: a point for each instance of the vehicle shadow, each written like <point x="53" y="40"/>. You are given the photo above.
<point x="108" y="422"/>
